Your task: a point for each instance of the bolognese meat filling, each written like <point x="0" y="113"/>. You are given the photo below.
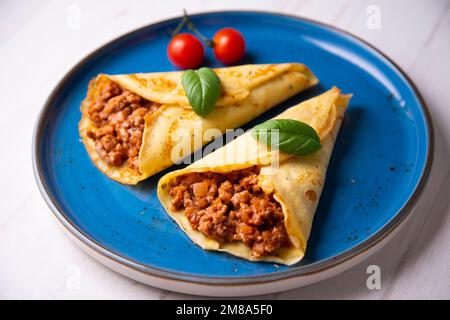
<point x="119" y="118"/>
<point x="231" y="207"/>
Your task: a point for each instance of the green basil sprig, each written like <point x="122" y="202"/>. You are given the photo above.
<point x="294" y="137"/>
<point x="202" y="87"/>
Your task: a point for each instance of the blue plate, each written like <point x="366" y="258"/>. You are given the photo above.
<point x="378" y="168"/>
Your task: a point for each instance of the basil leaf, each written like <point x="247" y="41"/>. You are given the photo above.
<point x="202" y="87"/>
<point x="294" y="137"/>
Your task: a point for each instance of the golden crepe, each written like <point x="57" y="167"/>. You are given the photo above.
<point x="130" y="122"/>
<point x="294" y="185"/>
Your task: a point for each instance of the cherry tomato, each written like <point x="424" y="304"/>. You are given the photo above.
<point x="229" y="45"/>
<point x="185" y="51"/>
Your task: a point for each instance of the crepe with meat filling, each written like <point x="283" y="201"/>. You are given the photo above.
<point x="238" y="201"/>
<point x="129" y="122"/>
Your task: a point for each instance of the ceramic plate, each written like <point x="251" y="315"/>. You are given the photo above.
<point x="377" y="171"/>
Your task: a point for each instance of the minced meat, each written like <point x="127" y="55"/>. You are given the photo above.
<point x="231" y="207"/>
<point x="119" y="117"/>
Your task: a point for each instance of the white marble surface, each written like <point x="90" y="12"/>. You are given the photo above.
<point x="36" y="49"/>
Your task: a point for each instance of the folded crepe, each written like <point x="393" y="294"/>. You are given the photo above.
<point x="252" y="201"/>
<point x="130" y="123"/>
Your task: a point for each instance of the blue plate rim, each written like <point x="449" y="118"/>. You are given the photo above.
<point x="306" y="270"/>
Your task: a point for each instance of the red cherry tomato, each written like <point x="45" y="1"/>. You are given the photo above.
<point x="185" y="51"/>
<point x="229" y="45"/>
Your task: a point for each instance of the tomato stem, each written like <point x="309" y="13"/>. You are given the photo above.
<point x="179" y="27"/>
<point x="186" y="21"/>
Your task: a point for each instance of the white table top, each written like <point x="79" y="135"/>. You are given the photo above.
<point x="38" y="46"/>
